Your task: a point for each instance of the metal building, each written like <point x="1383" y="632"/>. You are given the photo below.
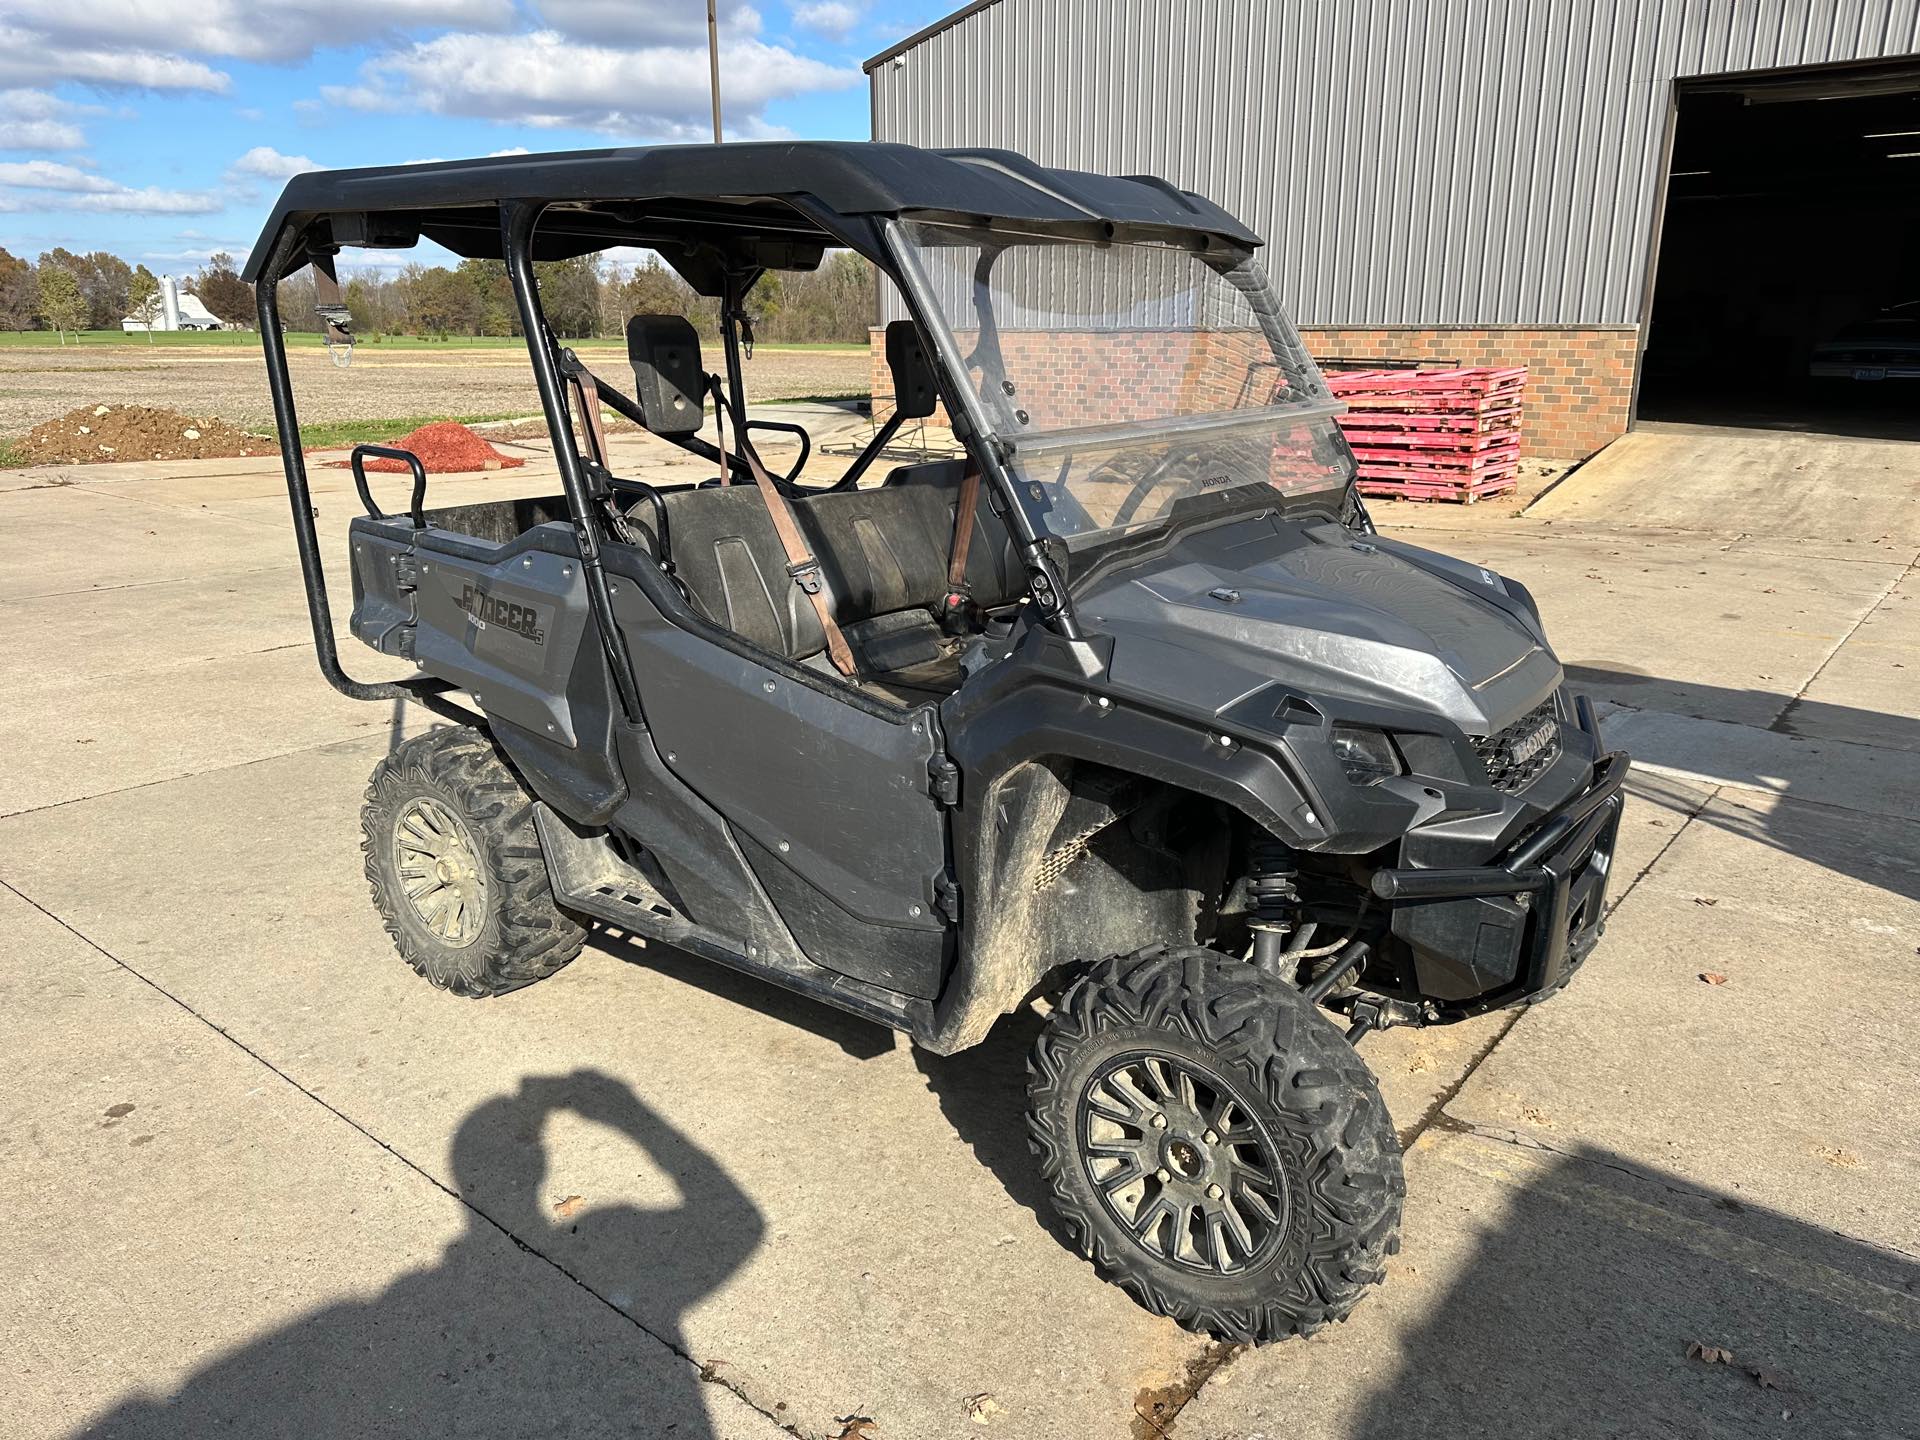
<point x="1485" y="181"/>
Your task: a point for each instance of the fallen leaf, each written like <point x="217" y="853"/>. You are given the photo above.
<point x="1708" y="1354"/>
<point x="854" y="1427"/>
<point x="1713" y="977"/>
<point x="982" y="1408"/>
<point x="1705" y="900"/>
<point x="568" y="1207"/>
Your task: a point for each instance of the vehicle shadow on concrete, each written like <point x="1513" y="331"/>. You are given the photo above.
<point x="485" y="1342"/>
<point x="983" y="1095"/>
<point x="1813" y="720"/>
<point x="1574" y="1285"/>
<point x="1874" y="849"/>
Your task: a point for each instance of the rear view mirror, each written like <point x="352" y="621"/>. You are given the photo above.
<point x="668" y="377"/>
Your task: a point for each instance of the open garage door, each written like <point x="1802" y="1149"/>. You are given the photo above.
<point x="1787" y="293"/>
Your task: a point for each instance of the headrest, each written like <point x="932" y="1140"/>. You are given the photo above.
<point x="914" y="393"/>
<point x="670" y="381"/>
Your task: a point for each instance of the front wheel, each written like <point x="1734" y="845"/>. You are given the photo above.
<point x="1215" y="1145"/>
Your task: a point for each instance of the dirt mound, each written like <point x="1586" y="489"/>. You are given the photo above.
<point x="135" y="432"/>
<point x="445" y="447"/>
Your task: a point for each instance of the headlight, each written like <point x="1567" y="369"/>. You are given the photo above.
<point x="1366" y="755"/>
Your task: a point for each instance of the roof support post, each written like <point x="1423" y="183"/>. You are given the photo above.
<point x="733" y="302"/>
<point x="1043" y="576"/>
<point x="517" y="222"/>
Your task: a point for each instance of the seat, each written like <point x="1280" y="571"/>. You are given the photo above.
<point x="884" y="553"/>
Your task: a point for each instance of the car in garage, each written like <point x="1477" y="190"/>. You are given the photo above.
<point x="1882" y="346"/>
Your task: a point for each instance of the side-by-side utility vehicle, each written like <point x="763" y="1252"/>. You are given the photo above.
<point x="1125" y="713"/>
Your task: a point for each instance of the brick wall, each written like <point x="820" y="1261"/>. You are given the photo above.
<point x="1579" y="380"/>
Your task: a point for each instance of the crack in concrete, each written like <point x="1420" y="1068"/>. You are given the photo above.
<point x="139" y="585"/>
<point x="707" y="1374"/>
<point x="1669" y="1183"/>
<point x="1778" y="723"/>
<point x="196" y="774"/>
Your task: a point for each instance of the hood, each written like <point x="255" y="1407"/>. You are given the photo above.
<point x="1227" y="611"/>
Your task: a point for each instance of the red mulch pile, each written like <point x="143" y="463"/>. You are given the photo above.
<point x="444" y="447"/>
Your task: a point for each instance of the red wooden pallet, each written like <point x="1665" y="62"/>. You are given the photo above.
<point x="1505" y="416"/>
<point x="1465" y="442"/>
<point x="1426" y="382"/>
<point x="1461" y="494"/>
<point x="1433" y="434"/>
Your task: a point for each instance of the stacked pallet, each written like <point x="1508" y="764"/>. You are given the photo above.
<point x="1433" y="434"/>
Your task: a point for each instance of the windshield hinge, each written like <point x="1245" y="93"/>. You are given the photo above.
<point x="946" y="896"/>
<point x="945" y="778"/>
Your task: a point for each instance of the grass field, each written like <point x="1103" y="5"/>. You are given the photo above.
<point x="297" y="340"/>
<point x="224" y="375"/>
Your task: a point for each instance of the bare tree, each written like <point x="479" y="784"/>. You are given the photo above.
<point x="223" y="292"/>
<point x="143" y="299"/>
<point x="19" y="293"/>
<point x="62" y="305"/>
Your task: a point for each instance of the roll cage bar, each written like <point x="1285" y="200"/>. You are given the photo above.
<point x="295" y="246"/>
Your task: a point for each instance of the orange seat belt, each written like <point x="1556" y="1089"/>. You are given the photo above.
<point x="801" y="564"/>
<point x="959" y="592"/>
<point x="587" y="396"/>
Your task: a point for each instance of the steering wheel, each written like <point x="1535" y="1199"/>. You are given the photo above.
<point x="1157" y="472"/>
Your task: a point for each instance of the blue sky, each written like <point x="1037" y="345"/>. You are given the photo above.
<point x="161" y="130"/>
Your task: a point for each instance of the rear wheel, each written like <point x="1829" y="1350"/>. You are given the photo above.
<point x="456" y="867"/>
<point x="1215" y="1145"/>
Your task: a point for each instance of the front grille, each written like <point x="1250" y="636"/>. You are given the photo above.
<point x="1509" y="764"/>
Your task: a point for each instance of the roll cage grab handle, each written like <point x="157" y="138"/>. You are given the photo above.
<point x="517" y="222"/>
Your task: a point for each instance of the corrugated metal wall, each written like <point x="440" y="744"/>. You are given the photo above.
<point x="1410" y="162"/>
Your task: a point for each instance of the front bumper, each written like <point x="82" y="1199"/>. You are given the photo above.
<point x="1513" y="930"/>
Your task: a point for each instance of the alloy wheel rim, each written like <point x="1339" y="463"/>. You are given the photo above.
<point x="1182" y="1163"/>
<point x="440" y="871"/>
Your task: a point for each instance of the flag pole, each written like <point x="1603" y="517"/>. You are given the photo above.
<point x="713" y="65"/>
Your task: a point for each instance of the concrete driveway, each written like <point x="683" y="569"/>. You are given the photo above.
<point x="263" y="1181"/>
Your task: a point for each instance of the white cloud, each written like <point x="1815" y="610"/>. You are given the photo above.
<point x="54" y="175"/>
<point x="542" y="79"/>
<point x="83" y="190"/>
<point x="635" y="24"/>
<point x="289" y="30"/>
<point x="33" y="58"/>
<point x="35" y="120"/>
<point x="149" y="200"/>
<point x="40" y="135"/>
<point x="834" y="19"/>
<point x="267" y="163"/>
<point x="196" y="255"/>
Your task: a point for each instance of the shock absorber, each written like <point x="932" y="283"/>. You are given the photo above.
<point x="1274" y="901"/>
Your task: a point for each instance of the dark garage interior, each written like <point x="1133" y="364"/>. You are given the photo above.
<point x="1787" y="288"/>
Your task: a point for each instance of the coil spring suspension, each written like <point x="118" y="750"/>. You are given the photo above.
<point x="1274" y="901"/>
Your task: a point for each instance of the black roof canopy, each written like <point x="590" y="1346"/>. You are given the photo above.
<point x="643" y="195"/>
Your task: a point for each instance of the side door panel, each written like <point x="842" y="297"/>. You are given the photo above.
<point x="832" y="804"/>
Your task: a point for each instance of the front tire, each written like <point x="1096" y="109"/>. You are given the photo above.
<point x="1215" y="1145"/>
<point x="456" y="868"/>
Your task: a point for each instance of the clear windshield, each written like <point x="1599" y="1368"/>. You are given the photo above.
<point x="1127" y="378"/>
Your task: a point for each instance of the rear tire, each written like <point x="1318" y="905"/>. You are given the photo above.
<point x="456" y="868"/>
<point x="1215" y="1145"/>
